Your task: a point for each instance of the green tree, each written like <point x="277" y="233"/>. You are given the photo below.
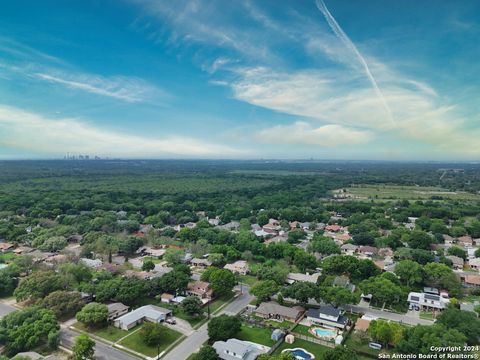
<point x="421" y="338"/>
<point x="382" y="290"/>
<point x="63" y="303"/>
<point x="300" y="291"/>
<point x="337" y="295"/>
<point x="39" y="284"/>
<point x="152" y="333"/>
<point x="223" y="327"/>
<point x="192" y="305"/>
<point x="26" y="329"/>
<point x="148" y="265"/>
<point x="442" y="276"/>
<point x="304" y="261"/>
<point x="340" y="353"/>
<point x="465" y="322"/>
<point x="93" y="314"/>
<point x="263" y="290"/>
<point x="83" y="348"/>
<point x="410" y="272"/>
<point x="206" y="353"/>
<point x="324" y="245"/>
<point x="456" y="251"/>
<point x="222" y="281"/>
<point x="173" y="256"/>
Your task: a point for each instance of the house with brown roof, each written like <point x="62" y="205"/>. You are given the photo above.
<point x="238" y="267"/>
<point x="368" y="250"/>
<point x="349" y="249"/>
<point x="200" y="289"/>
<point x="333" y="228"/>
<point x="273" y="311"/>
<point x="5" y="247"/>
<point x="471" y="280"/>
<point x="465" y="240"/>
<point x="166" y="298"/>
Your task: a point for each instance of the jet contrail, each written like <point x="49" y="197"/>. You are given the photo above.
<point x="350" y="45"/>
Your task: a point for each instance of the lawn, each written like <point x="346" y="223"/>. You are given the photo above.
<point x="427" y="315"/>
<point x="317" y="350"/>
<point x="110" y="333"/>
<point x="248" y="279"/>
<point x="281" y="325"/>
<point x="395" y="192"/>
<point x="152" y="259"/>
<point x="135" y="342"/>
<point x="354" y="343"/>
<point x="302" y="330"/>
<point x="220" y="301"/>
<point x="256" y="334"/>
<point x="7" y="257"/>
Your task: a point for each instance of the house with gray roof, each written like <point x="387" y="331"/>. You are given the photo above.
<point x="116" y="310"/>
<point x="150" y="313"/>
<point x="327" y="315"/>
<point x="234" y="349"/>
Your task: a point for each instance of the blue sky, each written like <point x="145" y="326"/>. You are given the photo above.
<point x="332" y="79"/>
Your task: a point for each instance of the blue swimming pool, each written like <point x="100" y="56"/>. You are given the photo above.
<point x="320" y="332"/>
<point x="300" y="354"/>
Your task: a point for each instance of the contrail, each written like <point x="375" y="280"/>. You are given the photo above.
<point x="350" y="45"/>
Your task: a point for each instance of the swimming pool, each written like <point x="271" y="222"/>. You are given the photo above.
<point x="300" y="354"/>
<point x="324" y="333"/>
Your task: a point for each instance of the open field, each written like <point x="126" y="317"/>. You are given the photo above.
<point x="398" y="192"/>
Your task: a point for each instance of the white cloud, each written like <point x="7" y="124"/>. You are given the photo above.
<point x="302" y="133"/>
<point x="33" y="132"/>
<point x="128" y="89"/>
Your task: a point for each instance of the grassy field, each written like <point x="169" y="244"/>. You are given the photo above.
<point x="317" y="350"/>
<point x="256" y="334"/>
<point x="248" y="279"/>
<point x="354" y="343"/>
<point x="110" y="333"/>
<point x="427" y="315"/>
<point x="7" y="257"/>
<point x="135" y="342"/>
<point x="302" y="330"/>
<point x="394" y="192"/>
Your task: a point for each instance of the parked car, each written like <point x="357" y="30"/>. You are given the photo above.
<point x="411" y="307"/>
<point x="171" y="321"/>
<point x="374" y="345"/>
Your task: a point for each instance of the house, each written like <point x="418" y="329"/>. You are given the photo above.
<point x="474" y="263"/>
<point x="447" y="239"/>
<point x="471" y="280"/>
<point x="75" y="238"/>
<point x="457" y="262"/>
<point x="385" y="252"/>
<point x="116" y="310"/>
<point x="166" y="298"/>
<point x="299" y="277"/>
<point x="200" y="289"/>
<point x="238" y="267"/>
<point x="234" y="349"/>
<point x="328" y="316"/>
<point x="147" y="250"/>
<point x="333" y="228"/>
<point x="214" y="222"/>
<point x="465" y="240"/>
<point x="274" y="311"/>
<point x="150" y="313"/>
<point x="261" y="233"/>
<point x="343" y="281"/>
<point x="427" y="300"/>
<point x="231" y="226"/>
<point x="23" y="250"/>
<point x="349" y="249"/>
<point x="368" y="250"/>
<point x="342" y="237"/>
<point x="92" y="263"/>
<point x="271" y="227"/>
<point x="203" y="263"/>
<point x="5" y="247"/>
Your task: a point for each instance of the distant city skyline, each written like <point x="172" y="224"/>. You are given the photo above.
<point x="331" y="79"/>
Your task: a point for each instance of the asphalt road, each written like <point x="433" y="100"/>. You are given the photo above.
<point x="6" y="309"/>
<point x="193" y="342"/>
<point x="102" y="351"/>
<point x="403" y="318"/>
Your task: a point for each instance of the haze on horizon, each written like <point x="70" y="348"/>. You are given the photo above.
<point x="329" y="79"/>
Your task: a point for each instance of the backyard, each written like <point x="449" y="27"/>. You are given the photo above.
<point x="317" y="350"/>
<point x="256" y="334"/>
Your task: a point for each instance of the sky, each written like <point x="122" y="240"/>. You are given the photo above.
<point x="241" y="79"/>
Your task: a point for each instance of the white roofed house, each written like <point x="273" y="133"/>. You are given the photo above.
<point x="349" y="249"/>
<point x="234" y="349"/>
<point x="299" y="277"/>
<point x="474" y="263"/>
<point x="428" y="300"/>
<point x="149" y="313"/>
<point x="92" y="263"/>
<point x="238" y="267"/>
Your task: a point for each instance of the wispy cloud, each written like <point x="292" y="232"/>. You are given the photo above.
<point x="302" y="133"/>
<point x="353" y="49"/>
<point x="41" y="135"/>
<point x="129" y="89"/>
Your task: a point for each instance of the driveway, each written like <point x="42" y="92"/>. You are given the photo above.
<point x="182" y="326"/>
<point x="193" y="342"/>
<point x="6" y="309"/>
